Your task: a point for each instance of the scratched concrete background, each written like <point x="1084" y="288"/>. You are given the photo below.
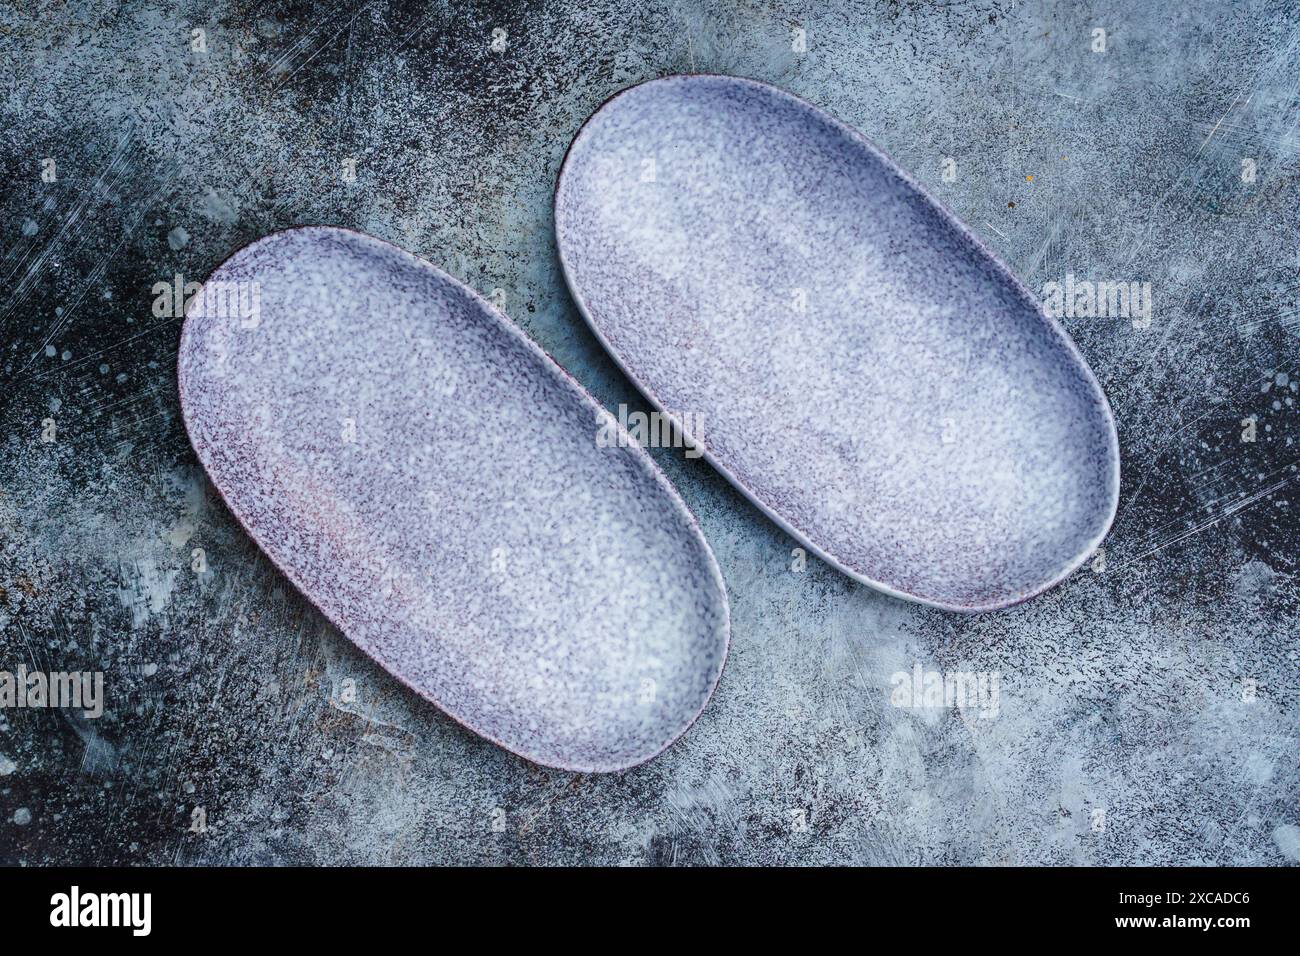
<point x="1148" y="710"/>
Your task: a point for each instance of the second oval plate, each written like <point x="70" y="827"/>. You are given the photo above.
<point x="853" y="359"/>
<point x="432" y="481"/>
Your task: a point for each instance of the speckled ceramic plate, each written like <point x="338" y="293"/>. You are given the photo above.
<point x="852" y="357"/>
<point x="433" y="482"/>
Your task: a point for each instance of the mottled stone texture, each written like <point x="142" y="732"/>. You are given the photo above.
<point x="1162" y="690"/>
<point x="866" y="373"/>
<point x="461" y="523"/>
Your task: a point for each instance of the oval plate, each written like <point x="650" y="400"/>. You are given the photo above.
<point x="842" y="348"/>
<point x="433" y="482"/>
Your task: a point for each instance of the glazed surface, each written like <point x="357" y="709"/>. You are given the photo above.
<point x="432" y="481"/>
<point x="863" y="368"/>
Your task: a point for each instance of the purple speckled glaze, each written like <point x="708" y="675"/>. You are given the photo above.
<point x="864" y="369"/>
<point x="432" y="481"/>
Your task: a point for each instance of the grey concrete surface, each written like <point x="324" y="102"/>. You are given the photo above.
<point x="1147" y="711"/>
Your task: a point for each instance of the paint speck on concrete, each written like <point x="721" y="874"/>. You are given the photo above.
<point x="1287" y="838"/>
